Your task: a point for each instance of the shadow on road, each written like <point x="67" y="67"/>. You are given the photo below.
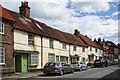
<point x="112" y="76"/>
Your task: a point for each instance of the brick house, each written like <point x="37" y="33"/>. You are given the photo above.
<point x="6" y="41"/>
<point x="110" y="49"/>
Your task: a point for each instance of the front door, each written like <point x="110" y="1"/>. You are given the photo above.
<point x="21" y="62"/>
<point x="24" y="63"/>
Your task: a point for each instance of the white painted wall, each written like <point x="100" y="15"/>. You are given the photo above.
<point x="57" y="50"/>
<point x="21" y="43"/>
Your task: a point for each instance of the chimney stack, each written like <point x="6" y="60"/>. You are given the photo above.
<point x="24" y="9"/>
<point x="95" y="40"/>
<point x="76" y="32"/>
<point x="99" y="40"/>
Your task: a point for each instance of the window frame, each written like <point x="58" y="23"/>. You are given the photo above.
<point x="31" y="40"/>
<point x="52" y="56"/>
<point x="96" y="50"/>
<point x="83" y="49"/>
<point x="90" y="48"/>
<point x="51" y="43"/>
<point x="33" y="59"/>
<point x="74" y="48"/>
<point x="2" y="50"/>
<point x="2" y="30"/>
<point x="64" y="46"/>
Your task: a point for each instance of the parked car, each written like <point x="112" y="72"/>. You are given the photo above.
<point x="57" y="68"/>
<point x="79" y="65"/>
<point x="114" y="62"/>
<point x="109" y="62"/>
<point x="99" y="63"/>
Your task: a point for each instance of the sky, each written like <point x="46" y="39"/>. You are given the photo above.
<point x="94" y="18"/>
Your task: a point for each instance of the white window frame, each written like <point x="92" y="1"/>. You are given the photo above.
<point x="51" y="43"/>
<point x="64" y="46"/>
<point x="74" y="48"/>
<point x="83" y="49"/>
<point x="33" y="61"/>
<point x="2" y="54"/>
<point x="31" y="40"/>
<point x="2" y="28"/>
<point x="51" y="57"/>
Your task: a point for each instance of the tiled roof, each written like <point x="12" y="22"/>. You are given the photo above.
<point x="5" y="14"/>
<point x="36" y="27"/>
<point x="88" y="41"/>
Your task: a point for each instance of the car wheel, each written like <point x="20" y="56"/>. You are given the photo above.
<point x="61" y="72"/>
<point x="72" y="70"/>
<point x="80" y="69"/>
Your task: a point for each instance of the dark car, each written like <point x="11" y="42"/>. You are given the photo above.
<point x="57" y="68"/>
<point x="99" y="63"/>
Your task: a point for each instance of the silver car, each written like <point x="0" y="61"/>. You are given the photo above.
<point x="57" y="68"/>
<point x="79" y="65"/>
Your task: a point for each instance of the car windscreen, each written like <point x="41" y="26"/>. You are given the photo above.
<point x="74" y="63"/>
<point x="52" y="64"/>
<point x="97" y="60"/>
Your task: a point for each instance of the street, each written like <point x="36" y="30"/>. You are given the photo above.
<point x="90" y="73"/>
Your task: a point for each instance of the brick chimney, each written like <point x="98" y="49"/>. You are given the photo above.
<point x="76" y="32"/>
<point x="95" y="40"/>
<point x="24" y="9"/>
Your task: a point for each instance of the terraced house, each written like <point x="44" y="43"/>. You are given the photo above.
<point x="29" y="44"/>
<point x="94" y="50"/>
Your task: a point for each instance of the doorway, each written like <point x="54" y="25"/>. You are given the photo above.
<point x="21" y="63"/>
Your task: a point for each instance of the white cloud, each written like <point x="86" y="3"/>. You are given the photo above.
<point x="91" y="7"/>
<point x="57" y="16"/>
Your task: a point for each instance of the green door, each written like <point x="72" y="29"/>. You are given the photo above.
<point x="24" y="65"/>
<point x="57" y="58"/>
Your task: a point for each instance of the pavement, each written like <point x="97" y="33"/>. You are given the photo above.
<point x="28" y="74"/>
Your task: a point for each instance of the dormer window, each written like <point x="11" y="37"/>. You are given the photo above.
<point x="1" y="28"/>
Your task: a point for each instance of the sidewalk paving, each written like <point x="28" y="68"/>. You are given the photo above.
<point x="24" y="75"/>
<point x="28" y="74"/>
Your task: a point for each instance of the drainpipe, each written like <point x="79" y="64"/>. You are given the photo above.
<point x="69" y="54"/>
<point x="41" y="51"/>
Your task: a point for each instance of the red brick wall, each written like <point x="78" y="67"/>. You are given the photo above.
<point x="7" y="43"/>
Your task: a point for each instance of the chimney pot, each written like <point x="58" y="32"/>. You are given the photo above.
<point x="76" y="32"/>
<point x="24" y="9"/>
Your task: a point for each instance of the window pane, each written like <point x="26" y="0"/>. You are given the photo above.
<point x="51" y="57"/>
<point x="51" y="43"/>
<point x="33" y="59"/>
<point x="30" y="39"/>
<point x="1" y="28"/>
<point x="2" y="55"/>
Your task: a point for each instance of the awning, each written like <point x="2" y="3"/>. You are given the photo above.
<point x="25" y="51"/>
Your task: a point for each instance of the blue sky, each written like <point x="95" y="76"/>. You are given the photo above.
<point x="91" y="17"/>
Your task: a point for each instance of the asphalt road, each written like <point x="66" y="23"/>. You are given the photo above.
<point x="109" y="72"/>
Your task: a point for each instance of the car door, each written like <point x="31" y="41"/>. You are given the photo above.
<point x="68" y="68"/>
<point x="64" y="67"/>
<point x="81" y="65"/>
